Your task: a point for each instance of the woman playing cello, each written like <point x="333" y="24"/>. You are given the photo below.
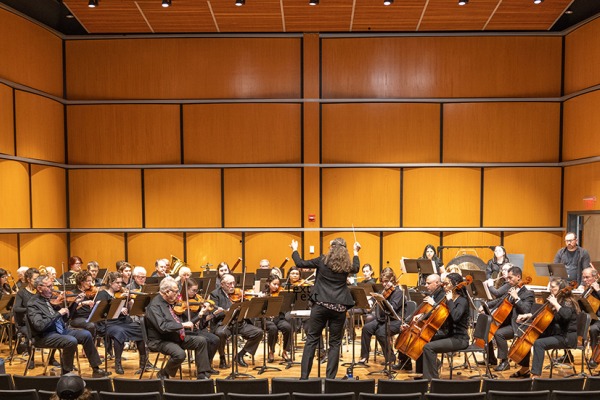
<point x="561" y="333"/>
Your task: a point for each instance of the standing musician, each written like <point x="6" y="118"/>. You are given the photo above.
<point x="574" y="257"/>
<point x="166" y="333"/>
<point x="75" y="265"/>
<point x="86" y="292"/>
<point x="253" y="335"/>
<point x="123" y="328"/>
<point x="589" y="278"/>
<point x="561" y="333"/>
<point x="49" y="329"/>
<point x="457" y="323"/>
<point x="277" y="324"/>
<point x="199" y="312"/>
<point x="93" y="267"/>
<point x="331" y="299"/>
<point x="522" y="300"/>
<point x="394" y="295"/>
<point x="429" y="253"/>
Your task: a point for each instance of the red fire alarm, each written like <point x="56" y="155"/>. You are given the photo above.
<point x="311" y="217"/>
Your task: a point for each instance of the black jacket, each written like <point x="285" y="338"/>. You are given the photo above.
<point x="160" y="324"/>
<point x="41" y="317"/>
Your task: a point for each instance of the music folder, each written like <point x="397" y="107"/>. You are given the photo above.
<point x="386" y="306"/>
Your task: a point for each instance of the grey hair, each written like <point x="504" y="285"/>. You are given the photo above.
<point x="167" y="284"/>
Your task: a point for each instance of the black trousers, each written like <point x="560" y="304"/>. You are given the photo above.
<point x="176" y="352"/>
<point x="273" y="328"/>
<point x="319" y="317"/>
<point x="432" y="349"/>
<point x="82" y="324"/>
<point x="68" y="342"/>
<point x="251" y="333"/>
<point x="212" y="341"/>
<point x="378" y="329"/>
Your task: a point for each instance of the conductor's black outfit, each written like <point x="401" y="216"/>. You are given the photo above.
<point x="331" y="298"/>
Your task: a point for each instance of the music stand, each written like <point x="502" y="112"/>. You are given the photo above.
<point x="360" y="301"/>
<point x="293" y="302"/>
<point x="478" y="290"/>
<point x="390" y="313"/>
<point x="6" y="304"/>
<point x="236" y="313"/>
<point x="140" y="303"/>
<point x="271" y="306"/>
<point x="263" y="273"/>
<point x="551" y="270"/>
<point x="150" y="288"/>
<point x="100" y="312"/>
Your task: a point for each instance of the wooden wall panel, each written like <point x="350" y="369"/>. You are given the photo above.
<point x="262" y="197"/>
<point x="106" y="248"/>
<point x="519" y="197"/>
<point x="387" y="132"/>
<point x="364" y="197"/>
<point x="40" y="127"/>
<point x="31" y="55"/>
<point x="183" y="198"/>
<point x="406" y="244"/>
<point x="9" y="253"/>
<point x="501" y="132"/>
<point x="369" y="253"/>
<point x="581" y="127"/>
<point x="49" y="249"/>
<point x="213" y="248"/>
<point x="312" y="204"/>
<point x="124" y="134"/>
<point x="7" y="126"/>
<point x="274" y="246"/>
<point x="411" y="67"/>
<point x="580" y="181"/>
<point x="184" y="68"/>
<point x="105" y="198"/>
<point x="145" y="248"/>
<point x="582" y="57"/>
<point x="14" y="204"/>
<point x="48" y="197"/>
<point x="467" y="239"/>
<point x="242" y="133"/>
<point x="444" y="197"/>
<point x="537" y="247"/>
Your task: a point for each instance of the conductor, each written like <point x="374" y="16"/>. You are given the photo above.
<point x="331" y="298"/>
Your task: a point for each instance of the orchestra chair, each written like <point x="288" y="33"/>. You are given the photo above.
<point x="583" y="327"/>
<point x="178" y="396"/>
<point x="558" y="384"/>
<point x="388" y="386"/>
<point x="574" y="395"/>
<point x="350" y="385"/>
<point x="99" y="384"/>
<point x="45" y="394"/>
<point x="252" y="386"/>
<point x="481" y="331"/>
<point x="130" y="396"/>
<point x="377" y="396"/>
<point x="592" y="383"/>
<point x="506" y="385"/>
<point x="466" y="396"/>
<point x="530" y="395"/>
<point x="6" y="382"/>
<point x="276" y="396"/>
<point x="324" y="396"/>
<point x="28" y="394"/>
<point x="203" y="386"/>
<point x="35" y="382"/>
<point x="158" y="353"/>
<point x="291" y="385"/>
<point x="451" y="386"/>
<point x="124" y="385"/>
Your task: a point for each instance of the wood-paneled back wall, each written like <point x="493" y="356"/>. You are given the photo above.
<point x="191" y="109"/>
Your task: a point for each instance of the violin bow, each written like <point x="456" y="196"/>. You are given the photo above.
<point x="62" y="270"/>
<point x="187" y="299"/>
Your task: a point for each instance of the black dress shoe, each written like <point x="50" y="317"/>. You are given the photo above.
<point x="54" y="363"/>
<point x="162" y="375"/>
<point x="99" y="373"/>
<point x="401" y="366"/>
<point x="482" y="362"/>
<point x="202" y="376"/>
<point x="223" y="364"/>
<point x="214" y="372"/>
<point x="241" y="362"/>
<point x="593" y="364"/>
<point x="504" y="365"/>
<point x="521" y="375"/>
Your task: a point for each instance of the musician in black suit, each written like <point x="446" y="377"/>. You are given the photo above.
<point x="522" y="300"/>
<point x="49" y="329"/>
<point x="331" y="298"/>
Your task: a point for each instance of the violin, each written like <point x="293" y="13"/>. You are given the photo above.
<point x="388" y="292"/>
<point x="237" y="295"/>
<point x="130" y="293"/>
<point x="194" y="305"/>
<point x="59" y="299"/>
<point x="91" y="292"/>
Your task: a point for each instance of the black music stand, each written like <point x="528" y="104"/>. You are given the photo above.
<point x="478" y="290"/>
<point x="293" y="301"/>
<point x="6" y="304"/>
<point x="551" y="270"/>
<point x="270" y="307"/>
<point x="390" y="314"/>
<point x="140" y="303"/>
<point x="421" y="267"/>
<point x="236" y="314"/>
<point x="359" y="295"/>
<point x="100" y="312"/>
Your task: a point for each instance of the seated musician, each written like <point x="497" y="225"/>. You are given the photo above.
<point x="84" y="304"/>
<point x="75" y="264"/>
<point x="589" y="278"/>
<point x="522" y="300"/>
<point x="160" y="268"/>
<point x="138" y="279"/>
<point x="457" y="323"/>
<point x="184" y="274"/>
<point x="293" y="278"/>
<point x="561" y="333"/>
<point x="93" y="267"/>
<point x="499" y="287"/>
<point x="121" y="329"/>
<point x="277" y="324"/>
<point x="253" y="335"/>
<point x="51" y="273"/>
<point x="200" y="315"/>
<point x="367" y="271"/>
<point x="125" y="269"/>
<point x="166" y="333"/>
<point x="21" y="280"/>
<point x="377" y="327"/>
<point x="221" y="271"/>
<point x="49" y="329"/>
<point x="4" y="286"/>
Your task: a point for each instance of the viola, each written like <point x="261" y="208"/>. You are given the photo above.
<point x="194" y="305"/>
<point x="541" y="320"/>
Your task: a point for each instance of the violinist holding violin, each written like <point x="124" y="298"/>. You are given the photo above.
<point x="395" y="296"/>
<point x="85" y="294"/>
<point x="277" y="324"/>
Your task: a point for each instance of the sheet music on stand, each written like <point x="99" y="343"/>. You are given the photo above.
<point x="550" y="270"/>
<point x="232" y="314"/>
<point x="385" y="305"/>
<point x="479" y="290"/>
<point x="100" y="311"/>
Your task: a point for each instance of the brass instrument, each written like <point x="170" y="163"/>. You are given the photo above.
<point x="176" y="265"/>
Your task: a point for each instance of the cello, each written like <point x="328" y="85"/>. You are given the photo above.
<point x="500" y="313"/>
<point x="420" y="331"/>
<point x="541" y="320"/>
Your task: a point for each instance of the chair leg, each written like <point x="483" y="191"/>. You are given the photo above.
<point x="29" y="360"/>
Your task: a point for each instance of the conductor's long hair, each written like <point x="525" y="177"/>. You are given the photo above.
<point x="338" y="259"/>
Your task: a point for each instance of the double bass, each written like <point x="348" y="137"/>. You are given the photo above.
<point x="500" y="313"/>
<point x="420" y="331"/>
<point x="541" y="320"/>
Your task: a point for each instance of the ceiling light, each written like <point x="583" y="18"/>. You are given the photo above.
<point x="313" y="2"/>
<point x="93" y="3"/>
<point x="463" y="2"/>
<point x="166" y="3"/>
<point x="538" y="1"/>
<point x="388" y="2"/>
<point x="240" y="3"/>
<point x="569" y="12"/>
